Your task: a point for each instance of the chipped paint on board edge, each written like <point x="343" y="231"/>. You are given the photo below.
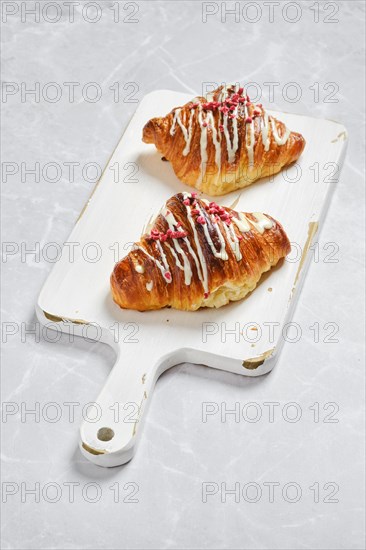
<point x="257" y="361"/>
<point x="57" y="319"/>
<point x="312" y="230"/>
<point x="144" y="398"/>
<point x="341" y="137"/>
<point x="93" y="451"/>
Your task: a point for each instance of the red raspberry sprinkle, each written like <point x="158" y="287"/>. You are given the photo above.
<point x="194" y="194"/>
<point x="248" y="119"/>
<point x="187" y="202"/>
<point x="206" y="294"/>
<point x="167" y="276"/>
<point x="195" y="211"/>
<point x="201" y="220"/>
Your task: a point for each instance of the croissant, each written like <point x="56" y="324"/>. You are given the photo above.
<point x="197" y="254"/>
<point x="223" y="142"/>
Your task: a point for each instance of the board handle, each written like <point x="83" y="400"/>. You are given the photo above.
<point x="109" y="437"/>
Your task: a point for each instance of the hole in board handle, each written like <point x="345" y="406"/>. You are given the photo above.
<point x="105" y="434"/>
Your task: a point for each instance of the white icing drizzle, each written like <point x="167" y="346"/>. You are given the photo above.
<point x="187" y="134"/>
<point x="194" y="256"/>
<point x="210" y="95"/>
<point x="250" y="145"/>
<point x="262" y="222"/>
<point x="279" y="140"/>
<point x="265" y="127"/>
<point x="233" y="241"/>
<point x="175" y="256"/>
<point x="202" y="273"/>
<point x="231" y="147"/>
<point x="160" y="266"/>
<point x="175" y="117"/>
<point x="224" y="93"/>
<point x="215" y="140"/>
<point x="203" y="147"/>
<point x="222" y="254"/>
<point x="172" y="223"/>
<point x="182" y="258"/>
<point x="163" y="257"/>
<point x="241" y="222"/>
<point x="223" y="119"/>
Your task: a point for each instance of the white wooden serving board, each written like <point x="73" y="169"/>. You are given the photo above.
<point x="76" y="294"/>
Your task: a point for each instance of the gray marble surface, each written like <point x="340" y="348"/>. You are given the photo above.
<point x="172" y="494"/>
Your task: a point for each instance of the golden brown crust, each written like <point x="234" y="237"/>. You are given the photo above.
<point x="175" y="266"/>
<point x="223" y="172"/>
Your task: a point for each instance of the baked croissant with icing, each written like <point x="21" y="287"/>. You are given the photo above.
<point x="223" y="142"/>
<point x="197" y="254"/>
